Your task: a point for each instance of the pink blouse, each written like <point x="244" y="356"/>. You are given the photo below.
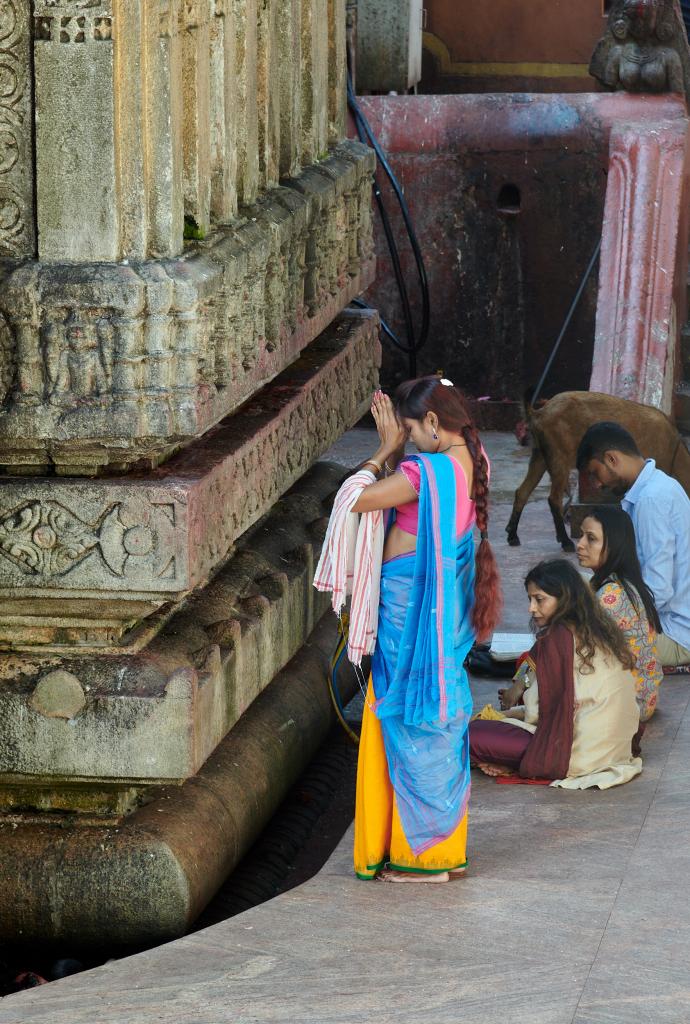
<point x="407" y="515"/>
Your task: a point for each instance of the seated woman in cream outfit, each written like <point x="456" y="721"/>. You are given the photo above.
<point x="579" y="715"/>
<point x="607" y="546"/>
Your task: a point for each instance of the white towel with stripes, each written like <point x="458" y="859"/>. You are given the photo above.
<point x="350" y="564"/>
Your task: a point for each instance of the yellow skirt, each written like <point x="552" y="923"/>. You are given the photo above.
<point x="379" y="838"/>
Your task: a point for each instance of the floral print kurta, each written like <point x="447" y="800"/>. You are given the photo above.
<point x="641" y="638"/>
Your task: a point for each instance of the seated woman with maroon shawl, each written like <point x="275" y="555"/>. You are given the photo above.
<point x="580" y="714"/>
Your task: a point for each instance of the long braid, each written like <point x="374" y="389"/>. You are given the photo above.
<point x="416" y="398"/>
<point x="488" y="600"/>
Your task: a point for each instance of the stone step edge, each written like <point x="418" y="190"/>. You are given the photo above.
<point x="146" y="880"/>
<point x="156" y="717"/>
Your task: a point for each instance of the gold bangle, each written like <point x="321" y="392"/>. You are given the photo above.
<point x="373" y="462"/>
<point x="387" y="467"/>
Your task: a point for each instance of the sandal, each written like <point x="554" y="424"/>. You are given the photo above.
<point x="387" y="875"/>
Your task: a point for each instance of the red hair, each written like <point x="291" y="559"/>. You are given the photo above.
<point x="413" y="400"/>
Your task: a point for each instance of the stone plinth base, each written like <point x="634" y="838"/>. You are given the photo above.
<point x="104" y="365"/>
<point x="83" y="563"/>
<point x="79" y="733"/>
<point x="146" y="879"/>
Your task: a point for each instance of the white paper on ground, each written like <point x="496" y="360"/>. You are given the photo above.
<point x="507" y="646"/>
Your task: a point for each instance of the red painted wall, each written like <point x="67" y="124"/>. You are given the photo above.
<point x="500" y="285"/>
<point x="512" y="31"/>
<point x="518" y="30"/>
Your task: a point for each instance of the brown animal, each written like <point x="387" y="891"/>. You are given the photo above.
<point x="559" y="426"/>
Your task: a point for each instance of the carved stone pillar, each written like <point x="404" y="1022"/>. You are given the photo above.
<point x="78" y="213"/>
<point x="268" y="93"/>
<point x="107" y="110"/>
<point x="223" y="113"/>
<point x="247" y="113"/>
<point x="337" y="69"/>
<point x="164" y="129"/>
<point x="642" y="269"/>
<point x="290" y="80"/>
<point x="17" y="222"/>
<point x="314" y="79"/>
<point x="196" y="101"/>
<point x="174" y="355"/>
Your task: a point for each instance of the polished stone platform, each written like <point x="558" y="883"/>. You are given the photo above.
<point x="576" y="909"/>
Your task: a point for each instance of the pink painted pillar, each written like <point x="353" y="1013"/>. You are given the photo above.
<point x="641" y="304"/>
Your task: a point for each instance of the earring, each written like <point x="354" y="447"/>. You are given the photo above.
<point x="435" y="436"/>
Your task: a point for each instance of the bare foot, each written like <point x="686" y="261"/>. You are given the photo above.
<point x="511" y="696"/>
<point x="494" y="769"/>
<point x="387" y="875"/>
<point x="457" y="873"/>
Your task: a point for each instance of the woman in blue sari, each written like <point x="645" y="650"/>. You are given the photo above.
<point x="437" y="595"/>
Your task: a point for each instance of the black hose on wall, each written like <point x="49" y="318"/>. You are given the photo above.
<point x="413" y="342"/>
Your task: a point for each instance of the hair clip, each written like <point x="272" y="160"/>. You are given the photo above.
<point x="446" y="383"/>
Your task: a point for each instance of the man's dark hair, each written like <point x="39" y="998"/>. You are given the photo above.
<point x="604" y="437"/>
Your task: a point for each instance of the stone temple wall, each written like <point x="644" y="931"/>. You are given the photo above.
<point x="152" y="111"/>
<point x="124" y="126"/>
<point x="182" y="226"/>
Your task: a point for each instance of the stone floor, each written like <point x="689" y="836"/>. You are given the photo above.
<point x="576" y="909"/>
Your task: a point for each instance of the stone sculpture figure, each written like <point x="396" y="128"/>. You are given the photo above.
<point x="645" y="48"/>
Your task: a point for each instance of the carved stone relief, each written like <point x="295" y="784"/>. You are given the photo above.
<point x="134" y="539"/>
<point x="645" y="48"/>
<point x="72" y="21"/>
<point x="17" y="219"/>
<point x="152" y="539"/>
<point x="285" y="428"/>
<point x="44" y="538"/>
<point x="132" y="360"/>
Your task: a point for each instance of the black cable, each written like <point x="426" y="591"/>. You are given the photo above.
<point x="404" y="209"/>
<point x="384" y="326"/>
<point x="409" y="349"/>
<point x="566" y="322"/>
<point x="365" y="133"/>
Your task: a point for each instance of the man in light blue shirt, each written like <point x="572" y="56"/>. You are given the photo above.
<point x="660" y="511"/>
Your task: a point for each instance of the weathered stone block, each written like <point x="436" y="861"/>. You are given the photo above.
<point x="196" y="105"/>
<point x="389" y="45"/>
<point x="290" y="83"/>
<point x="223" y="100"/>
<point x="58" y="695"/>
<point x="158" y="714"/>
<point x="315" y="51"/>
<point x="337" y="70"/>
<point x="268" y="93"/>
<point x="144" y="110"/>
<point x="79" y="210"/>
<point x="82" y="563"/>
<point x="247" y="108"/>
<point x="171" y="855"/>
<point x="163" y="126"/>
<point x="102" y="365"/>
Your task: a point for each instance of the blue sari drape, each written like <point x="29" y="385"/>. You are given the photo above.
<point x="422" y="692"/>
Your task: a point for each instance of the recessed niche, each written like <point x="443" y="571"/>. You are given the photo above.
<point x="509" y="200"/>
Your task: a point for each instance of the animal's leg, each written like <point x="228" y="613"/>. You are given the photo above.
<point x="535" y="471"/>
<point x="559" y="486"/>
